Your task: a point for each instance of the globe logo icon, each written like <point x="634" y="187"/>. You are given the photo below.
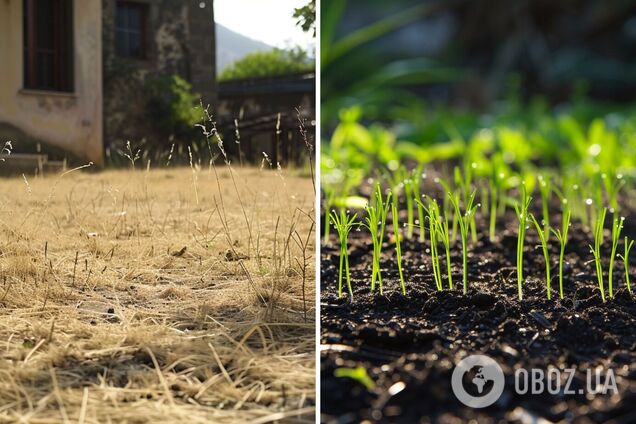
<point x="477" y="381"/>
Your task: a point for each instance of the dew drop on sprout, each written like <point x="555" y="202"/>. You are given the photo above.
<point x="404" y="225"/>
<point x="348" y="211"/>
<point x="619" y="176"/>
<point x="417" y="222"/>
<point x="611" y="210"/>
<point x="473" y="165"/>
<point x="588" y="201"/>
<point x="428" y="250"/>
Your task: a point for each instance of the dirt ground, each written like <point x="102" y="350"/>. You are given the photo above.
<point x="157" y="296"/>
<point x="410" y="345"/>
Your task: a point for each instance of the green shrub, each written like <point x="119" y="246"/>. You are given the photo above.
<point x="173" y="107"/>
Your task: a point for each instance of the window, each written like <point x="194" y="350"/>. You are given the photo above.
<point x="131" y="29"/>
<point x="48" y="45"/>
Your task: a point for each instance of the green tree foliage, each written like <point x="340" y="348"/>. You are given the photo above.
<point x="306" y="17"/>
<point x="271" y="63"/>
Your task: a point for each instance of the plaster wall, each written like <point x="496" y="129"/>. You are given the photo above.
<point x="70" y="121"/>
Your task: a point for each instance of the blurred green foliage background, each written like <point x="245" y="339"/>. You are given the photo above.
<point x="515" y="82"/>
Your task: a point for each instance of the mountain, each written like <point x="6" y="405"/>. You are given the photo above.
<point x="232" y="46"/>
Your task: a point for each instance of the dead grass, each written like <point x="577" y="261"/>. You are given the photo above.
<point x="123" y="300"/>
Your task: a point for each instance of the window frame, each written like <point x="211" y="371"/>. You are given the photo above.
<point x="143" y="9"/>
<point x="61" y="70"/>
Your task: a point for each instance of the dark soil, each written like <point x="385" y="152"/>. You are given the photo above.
<point x="417" y="340"/>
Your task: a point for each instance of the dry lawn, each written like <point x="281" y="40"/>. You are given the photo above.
<point x="142" y="296"/>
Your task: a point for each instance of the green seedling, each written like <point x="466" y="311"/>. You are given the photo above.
<point x="521" y="209"/>
<point x="375" y="222"/>
<point x="617" y="226"/>
<point x="625" y="256"/>
<point x="409" y="184"/>
<point x="463" y="182"/>
<point x="398" y="245"/>
<point x="464" y="220"/>
<point x="612" y="187"/>
<point x="546" y="253"/>
<point x="562" y="237"/>
<point x="493" y="210"/>
<point x="497" y="205"/>
<point x="443" y="231"/>
<point x="343" y="224"/>
<point x="408" y="192"/>
<point x="401" y="180"/>
<point x="358" y="374"/>
<point x="596" y="250"/>
<point x="329" y="198"/>
<point x="545" y="189"/>
<point x="433" y="221"/>
<point x="439" y="228"/>
<point x="416" y="178"/>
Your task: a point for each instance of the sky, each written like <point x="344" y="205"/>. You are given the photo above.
<point x="270" y="21"/>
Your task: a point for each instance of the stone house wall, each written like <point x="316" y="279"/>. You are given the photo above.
<point x="180" y="40"/>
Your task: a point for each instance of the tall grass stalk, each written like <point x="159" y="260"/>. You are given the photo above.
<point x="521" y="209"/>
<point x="617" y="226"/>
<point x="194" y="177"/>
<point x="343" y="224"/>
<point x="375" y="222"/>
<point x="546" y="253"/>
<point x="596" y="250"/>
<point x="464" y="220"/>
<point x="398" y="246"/>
